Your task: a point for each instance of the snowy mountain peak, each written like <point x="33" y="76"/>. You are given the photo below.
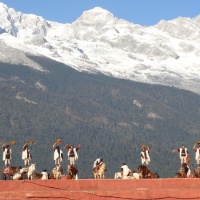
<point x="98" y="10"/>
<point x="95" y="18"/>
<point x="21" y="25"/>
<point x="3" y="6"/>
<point x="98" y="13"/>
<point x="167" y="53"/>
<point x="183" y="28"/>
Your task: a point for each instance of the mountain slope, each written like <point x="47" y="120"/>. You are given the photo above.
<point x="98" y="42"/>
<point x="111" y="118"/>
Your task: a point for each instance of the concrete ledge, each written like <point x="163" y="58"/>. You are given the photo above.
<point x="169" y="189"/>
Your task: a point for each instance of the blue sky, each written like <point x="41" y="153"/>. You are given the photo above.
<point x="143" y="12"/>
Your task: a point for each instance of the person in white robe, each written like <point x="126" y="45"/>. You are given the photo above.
<point x="197" y="154"/>
<point x="26" y="155"/>
<point x="145" y="158"/>
<point x="7" y="154"/>
<point x="125" y="171"/>
<point x="44" y="175"/>
<point x="58" y="154"/>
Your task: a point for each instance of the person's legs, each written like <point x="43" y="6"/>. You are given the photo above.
<point x="57" y="161"/>
<point x="7" y="162"/>
<point x="25" y="162"/>
<point x="183" y="159"/>
<point x="72" y="160"/>
<point x="146" y="162"/>
<point x="28" y="161"/>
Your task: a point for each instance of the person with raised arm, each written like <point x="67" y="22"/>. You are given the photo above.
<point x="58" y="154"/>
<point x="145" y="158"/>
<point x="183" y="154"/>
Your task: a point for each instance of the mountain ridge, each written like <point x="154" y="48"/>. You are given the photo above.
<point x="160" y="54"/>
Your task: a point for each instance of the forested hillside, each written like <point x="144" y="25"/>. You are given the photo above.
<point x="111" y="118"/>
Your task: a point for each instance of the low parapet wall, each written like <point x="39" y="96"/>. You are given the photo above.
<point x="86" y="189"/>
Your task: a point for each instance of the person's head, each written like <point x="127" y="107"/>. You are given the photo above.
<point x="183" y="146"/>
<point x="123" y="163"/>
<point x="26" y="146"/>
<point x="44" y="170"/>
<point x="57" y="147"/>
<point x="67" y="146"/>
<point x="7" y="146"/>
<point x="101" y="160"/>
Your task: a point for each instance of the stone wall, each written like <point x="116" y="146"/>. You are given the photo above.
<point x="87" y="189"/>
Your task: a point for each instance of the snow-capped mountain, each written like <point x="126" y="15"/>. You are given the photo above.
<point x="167" y="53"/>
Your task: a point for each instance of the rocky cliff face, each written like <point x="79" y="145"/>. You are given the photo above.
<point x="146" y="189"/>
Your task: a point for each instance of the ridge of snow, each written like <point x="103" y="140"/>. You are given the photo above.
<point x="167" y="53"/>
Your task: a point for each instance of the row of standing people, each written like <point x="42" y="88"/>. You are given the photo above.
<point x="185" y="156"/>
<point x="26" y="154"/>
<point x="58" y="155"/>
<point x="7" y="154"/>
<point x="73" y="156"/>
